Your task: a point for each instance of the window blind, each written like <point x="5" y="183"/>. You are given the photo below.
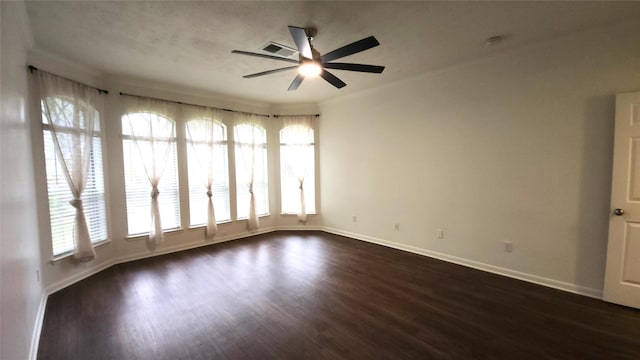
<point x="201" y="151"/>
<point x="137" y="187"/>
<point x="251" y="145"/>
<point x="297" y="159"/>
<point x="61" y="213"/>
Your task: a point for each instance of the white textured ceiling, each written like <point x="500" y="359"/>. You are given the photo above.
<point x="190" y="43"/>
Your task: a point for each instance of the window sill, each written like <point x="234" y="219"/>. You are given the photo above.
<point x="137" y="237"/>
<point x="202" y="226"/>
<point x="259" y="216"/>
<point x="146" y="235"/>
<point x="58" y="258"/>
<point x="294" y="214"/>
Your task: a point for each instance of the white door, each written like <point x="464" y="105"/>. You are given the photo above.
<point x="622" y="278"/>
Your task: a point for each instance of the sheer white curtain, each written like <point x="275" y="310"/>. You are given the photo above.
<point x="202" y="134"/>
<point x="297" y="135"/>
<point x="248" y="132"/>
<point x="146" y="123"/>
<point x="72" y="111"/>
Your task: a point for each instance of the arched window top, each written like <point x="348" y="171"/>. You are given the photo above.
<point x="246" y="133"/>
<point x="65" y="112"/>
<point x="207" y="120"/>
<point x="297" y="134"/>
<point x="206" y="130"/>
<point x="148" y="124"/>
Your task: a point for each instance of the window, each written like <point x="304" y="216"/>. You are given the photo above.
<point x="149" y="151"/>
<point x="62" y="214"/>
<point x="297" y="170"/>
<point x="251" y="163"/>
<point x="207" y="155"/>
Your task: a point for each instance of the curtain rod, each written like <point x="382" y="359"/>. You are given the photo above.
<point x="184" y="103"/>
<point x="316" y="115"/>
<point x="33" y="68"/>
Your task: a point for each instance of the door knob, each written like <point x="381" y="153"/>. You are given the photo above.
<point x="618" y="212"/>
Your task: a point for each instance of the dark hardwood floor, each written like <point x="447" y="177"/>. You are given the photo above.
<point x="312" y="295"/>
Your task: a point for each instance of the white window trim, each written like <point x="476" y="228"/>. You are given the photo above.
<point x="145" y="236"/>
<point x="170" y="140"/>
<point x="315" y="172"/>
<point x="45" y="127"/>
<point x="68" y="254"/>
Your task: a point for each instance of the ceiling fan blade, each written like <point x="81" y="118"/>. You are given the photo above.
<point x="270" y="72"/>
<point x="296" y="82"/>
<point x="354" y="67"/>
<point x="264" y="56"/>
<point x="332" y="79"/>
<point x="299" y="36"/>
<point x="354" y="47"/>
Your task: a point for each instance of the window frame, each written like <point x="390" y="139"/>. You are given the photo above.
<point x="45" y="133"/>
<point x="263" y="147"/>
<point x="189" y="148"/>
<point x="174" y="140"/>
<point x="312" y="144"/>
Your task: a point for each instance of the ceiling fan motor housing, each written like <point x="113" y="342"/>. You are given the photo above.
<point x="311" y="32"/>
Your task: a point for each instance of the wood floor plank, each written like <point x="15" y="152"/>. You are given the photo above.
<point x="313" y="295"/>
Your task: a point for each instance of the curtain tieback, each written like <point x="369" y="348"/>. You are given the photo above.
<point x="209" y="193"/>
<point x="76" y="203"/>
<point x="155" y="193"/>
<point x="251" y="189"/>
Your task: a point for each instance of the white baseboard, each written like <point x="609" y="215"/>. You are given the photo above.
<point x="146" y="254"/>
<point x="300" y="227"/>
<point x="556" y="284"/>
<point x="573" y="288"/>
<point x="37" y="328"/>
<point x="192" y="245"/>
<point x="59" y="285"/>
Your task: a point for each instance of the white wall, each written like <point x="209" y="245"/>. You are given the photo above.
<point x="516" y="148"/>
<point x="20" y="289"/>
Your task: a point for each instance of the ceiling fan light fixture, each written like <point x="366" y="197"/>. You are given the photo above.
<point x="310" y="69"/>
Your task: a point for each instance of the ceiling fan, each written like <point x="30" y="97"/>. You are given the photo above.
<point x="312" y="63"/>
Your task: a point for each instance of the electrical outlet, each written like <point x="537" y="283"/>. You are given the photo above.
<point x="508" y="246"/>
<point x="354" y="218"/>
<point x="439" y="234"/>
<point x="396" y="226"/>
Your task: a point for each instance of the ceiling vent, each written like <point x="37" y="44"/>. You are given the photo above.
<point x="273" y="48"/>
